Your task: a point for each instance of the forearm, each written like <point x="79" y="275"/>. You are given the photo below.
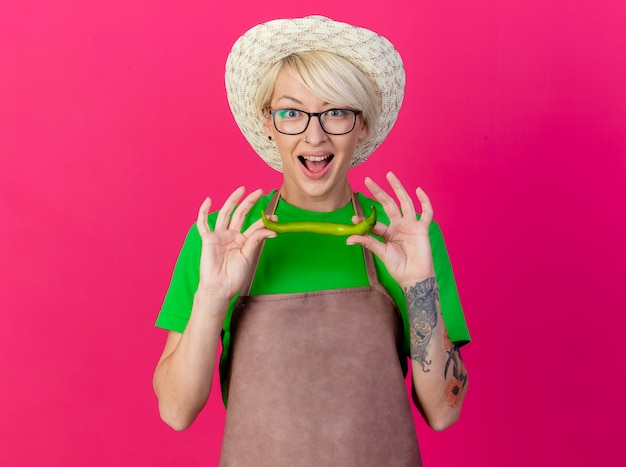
<point x="183" y="377"/>
<point x="439" y="374"/>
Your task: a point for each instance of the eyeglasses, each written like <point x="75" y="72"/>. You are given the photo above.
<point x="332" y="121"/>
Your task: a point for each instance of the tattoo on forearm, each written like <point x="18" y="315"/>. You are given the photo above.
<point x="454" y="372"/>
<point x="421" y="300"/>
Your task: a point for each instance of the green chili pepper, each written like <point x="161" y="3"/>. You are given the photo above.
<point x="327" y="228"/>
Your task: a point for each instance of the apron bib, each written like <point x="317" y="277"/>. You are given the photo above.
<point x="315" y="379"/>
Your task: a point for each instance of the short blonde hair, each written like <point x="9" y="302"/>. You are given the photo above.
<point x="330" y="77"/>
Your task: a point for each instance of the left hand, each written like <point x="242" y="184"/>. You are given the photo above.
<point x="406" y="248"/>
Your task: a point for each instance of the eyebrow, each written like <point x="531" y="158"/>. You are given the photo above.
<point x="297" y="101"/>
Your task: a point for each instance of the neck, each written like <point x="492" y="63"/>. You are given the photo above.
<point x="325" y="202"/>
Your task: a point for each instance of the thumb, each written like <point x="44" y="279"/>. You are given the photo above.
<point x="367" y="241"/>
<point x="254" y="241"/>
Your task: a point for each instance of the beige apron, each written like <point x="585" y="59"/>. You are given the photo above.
<point x="315" y="380"/>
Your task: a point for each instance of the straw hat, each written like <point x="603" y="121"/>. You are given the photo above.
<point x="257" y="50"/>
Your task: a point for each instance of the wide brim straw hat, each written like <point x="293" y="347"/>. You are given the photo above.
<point x="254" y="53"/>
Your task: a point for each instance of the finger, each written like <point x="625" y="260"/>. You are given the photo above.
<point x="258" y="225"/>
<point x="241" y="211"/>
<point x="203" y="213"/>
<point x="375" y="246"/>
<point x="380" y="230"/>
<point x="255" y="234"/>
<point x="223" y="218"/>
<point x="388" y="203"/>
<point x="427" y="207"/>
<point x="406" y="202"/>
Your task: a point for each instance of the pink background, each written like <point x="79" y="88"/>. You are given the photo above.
<point x="114" y="126"/>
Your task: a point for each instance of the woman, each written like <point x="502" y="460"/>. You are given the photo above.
<point x="315" y="328"/>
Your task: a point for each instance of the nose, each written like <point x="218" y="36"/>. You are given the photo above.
<point x="314" y="133"/>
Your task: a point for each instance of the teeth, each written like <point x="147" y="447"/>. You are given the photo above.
<point x="315" y="158"/>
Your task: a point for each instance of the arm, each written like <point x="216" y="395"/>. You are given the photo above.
<point x="437" y="367"/>
<point x="439" y="374"/>
<point x="182" y="379"/>
<point x="183" y="376"/>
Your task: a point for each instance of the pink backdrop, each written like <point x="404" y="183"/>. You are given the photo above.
<point x="114" y="126"/>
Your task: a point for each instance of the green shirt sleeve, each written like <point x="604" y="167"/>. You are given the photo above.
<point x="451" y="309"/>
<point x="178" y="301"/>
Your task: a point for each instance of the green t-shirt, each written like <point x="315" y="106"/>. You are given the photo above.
<point x="306" y="262"/>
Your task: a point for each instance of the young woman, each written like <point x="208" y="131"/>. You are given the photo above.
<point x="315" y="327"/>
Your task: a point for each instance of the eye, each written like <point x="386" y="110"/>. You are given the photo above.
<point x="288" y="114"/>
<point x="337" y="113"/>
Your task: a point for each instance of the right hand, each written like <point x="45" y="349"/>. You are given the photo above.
<point x="227" y="254"/>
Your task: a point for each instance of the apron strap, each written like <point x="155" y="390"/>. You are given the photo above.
<point x="370" y="266"/>
<point x="271" y="208"/>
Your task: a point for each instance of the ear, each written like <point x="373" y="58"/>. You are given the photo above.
<point x="268" y="127"/>
<point x="363" y="131"/>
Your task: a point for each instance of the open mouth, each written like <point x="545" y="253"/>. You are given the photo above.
<point x="316" y="164"/>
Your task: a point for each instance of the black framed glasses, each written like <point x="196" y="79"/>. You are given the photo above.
<point x="332" y="121"/>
